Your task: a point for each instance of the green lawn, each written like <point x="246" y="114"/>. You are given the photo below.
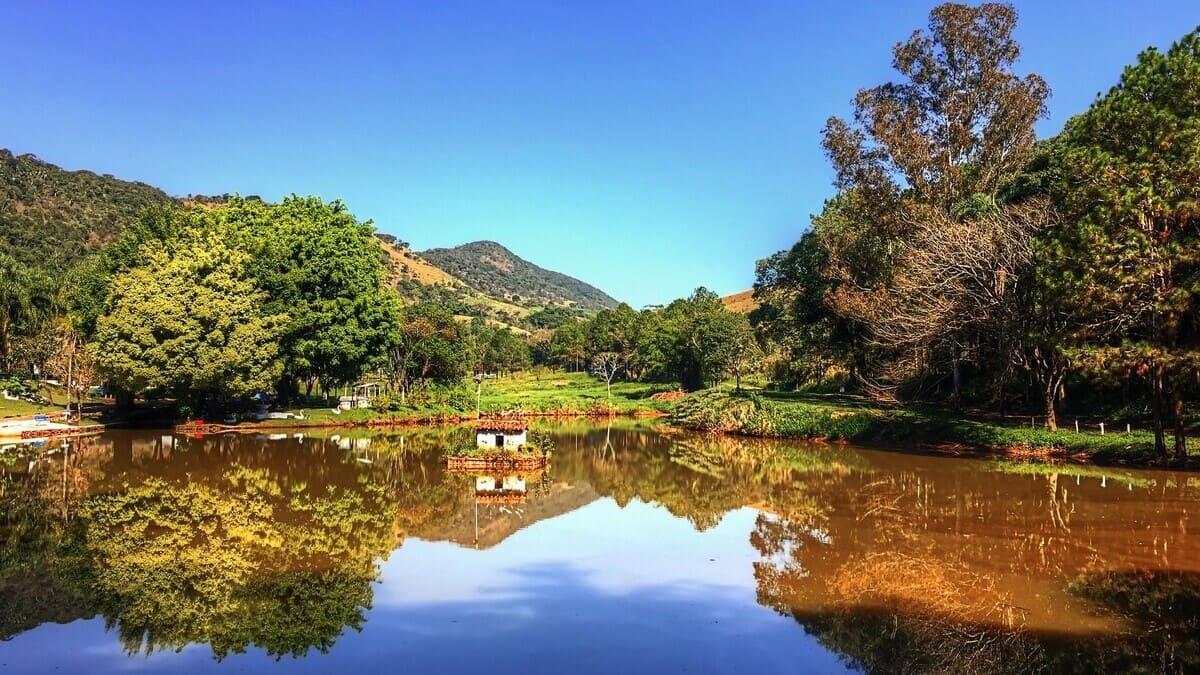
<point x="561" y="392"/>
<point x="23" y="408"/>
<point x="551" y="392"/>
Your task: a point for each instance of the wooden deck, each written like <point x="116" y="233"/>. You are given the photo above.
<point x="59" y="432"/>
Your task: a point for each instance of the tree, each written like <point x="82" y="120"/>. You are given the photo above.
<point x="504" y="351"/>
<point x="426" y="346"/>
<point x="190" y="321"/>
<point x="1128" y="250"/>
<point x="690" y="340"/>
<point x="71" y="362"/>
<point x="607" y="365"/>
<point x="792" y="288"/>
<point x="959" y="124"/>
<point x="745" y="354"/>
<point x="929" y="151"/>
<point x="612" y="341"/>
<point x="322" y="268"/>
<point x="568" y="346"/>
<point x="25" y="297"/>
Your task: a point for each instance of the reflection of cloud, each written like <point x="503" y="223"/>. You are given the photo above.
<point x="85" y="646"/>
<point x="599" y="542"/>
<point x="552" y="618"/>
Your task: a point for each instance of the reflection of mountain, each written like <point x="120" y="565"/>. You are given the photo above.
<point x="498" y="522"/>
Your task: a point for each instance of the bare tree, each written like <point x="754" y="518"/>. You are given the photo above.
<point x="607" y="365"/>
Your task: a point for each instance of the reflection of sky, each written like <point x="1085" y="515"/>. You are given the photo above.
<point x="600" y="589"/>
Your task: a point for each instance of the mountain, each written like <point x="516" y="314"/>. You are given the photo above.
<point x="50" y="217"/>
<point x="500" y="273"/>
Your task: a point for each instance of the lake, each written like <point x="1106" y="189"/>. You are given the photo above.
<point x="640" y="549"/>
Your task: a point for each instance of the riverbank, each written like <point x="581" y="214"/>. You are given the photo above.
<point x="849" y="419"/>
<point x="833" y="418"/>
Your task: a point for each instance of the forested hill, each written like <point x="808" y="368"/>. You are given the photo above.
<point x="50" y="217"/>
<point x="498" y="272"/>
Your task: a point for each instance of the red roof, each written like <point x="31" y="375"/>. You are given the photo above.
<point x="509" y="425"/>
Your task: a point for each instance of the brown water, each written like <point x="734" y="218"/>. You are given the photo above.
<point x="639" y="550"/>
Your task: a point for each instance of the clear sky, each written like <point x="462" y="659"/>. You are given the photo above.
<point x="644" y="147"/>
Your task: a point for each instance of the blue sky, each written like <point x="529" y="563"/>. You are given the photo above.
<point x="647" y="148"/>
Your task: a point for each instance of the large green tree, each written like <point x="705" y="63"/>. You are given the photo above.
<point x="322" y="268"/>
<point x="190" y="320"/>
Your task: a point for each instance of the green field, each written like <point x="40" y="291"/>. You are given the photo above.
<point x="569" y="393"/>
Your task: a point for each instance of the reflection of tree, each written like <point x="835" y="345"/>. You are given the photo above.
<point x="1164" y="610"/>
<point x="694" y="476"/>
<point x="231" y="541"/>
<point x="235" y="562"/>
<point x="35" y="527"/>
<point x="960" y="571"/>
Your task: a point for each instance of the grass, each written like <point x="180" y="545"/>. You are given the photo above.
<point x="847" y="418"/>
<point x="557" y="392"/>
<point x="25" y="408"/>
<point x="550" y="393"/>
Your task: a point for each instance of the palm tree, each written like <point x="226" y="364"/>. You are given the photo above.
<point x="27" y="299"/>
<point x="16" y="301"/>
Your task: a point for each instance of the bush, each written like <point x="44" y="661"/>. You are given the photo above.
<point x="751" y="415"/>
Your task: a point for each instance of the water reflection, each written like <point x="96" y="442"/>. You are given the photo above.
<point x="894" y="563"/>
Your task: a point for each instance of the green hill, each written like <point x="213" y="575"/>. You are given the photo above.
<point x="500" y="273"/>
<point x="50" y="217"/>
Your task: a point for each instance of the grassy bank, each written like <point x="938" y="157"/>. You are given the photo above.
<point x="558" y="392"/>
<point x="841" y="418"/>
<point x="550" y="393"/>
<point x="20" y="408"/>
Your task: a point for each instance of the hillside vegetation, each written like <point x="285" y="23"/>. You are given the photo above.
<point x="50" y="217"/>
<point x="498" y="272"/>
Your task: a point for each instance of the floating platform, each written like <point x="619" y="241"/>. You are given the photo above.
<point x="60" y="432"/>
<point x="511" y="497"/>
<point x="194" y="428"/>
<point x="491" y="463"/>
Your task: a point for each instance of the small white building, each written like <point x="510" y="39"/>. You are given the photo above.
<point x="486" y="484"/>
<point x="501" y="434"/>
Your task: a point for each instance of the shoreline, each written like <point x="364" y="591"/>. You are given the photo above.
<point x="887" y="435"/>
<point x="408" y="421"/>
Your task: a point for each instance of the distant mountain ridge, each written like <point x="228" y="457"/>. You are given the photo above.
<point x="493" y="269"/>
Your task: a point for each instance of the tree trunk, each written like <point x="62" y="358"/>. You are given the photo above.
<point x="956" y="377"/>
<point x="1051" y="414"/>
<point x="4" y="357"/>
<point x="1178" y="419"/>
<point x="1156" y="385"/>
